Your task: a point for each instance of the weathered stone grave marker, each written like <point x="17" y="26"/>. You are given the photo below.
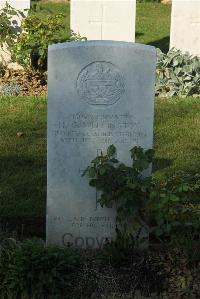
<point x="23" y="6"/>
<point x="185" y="26"/>
<point x="99" y="93"/>
<point x="17" y="4"/>
<point x="104" y="19"/>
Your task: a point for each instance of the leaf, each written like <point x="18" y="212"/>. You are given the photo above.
<point x="102" y="170"/>
<point x="96" y="160"/>
<point x="174" y="198"/>
<point x="113" y="160"/>
<point x="91" y="172"/>
<point x="153" y="194"/>
<point x="93" y="182"/>
<point x="111" y="150"/>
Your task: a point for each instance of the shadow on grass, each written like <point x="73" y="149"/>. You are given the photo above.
<point x="162" y="44"/>
<point x="138" y="34"/>
<point x="23" y="195"/>
<point x="160" y="163"/>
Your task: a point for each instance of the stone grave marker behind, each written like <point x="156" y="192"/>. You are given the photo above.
<point x="185" y="26"/>
<point x="21" y="5"/>
<point x="99" y="93"/>
<point x="17" y="4"/>
<point x="104" y="19"/>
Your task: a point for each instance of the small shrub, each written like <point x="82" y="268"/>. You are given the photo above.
<point x="178" y="74"/>
<point x="175" y="209"/>
<point x="37" y="34"/>
<point x="31" y="270"/>
<point x="123" y="187"/>
<point x="171" y="209"/>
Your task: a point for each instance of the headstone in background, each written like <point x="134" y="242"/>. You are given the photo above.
<point x="104" y="19"/>
<point x="185" y="26"/>
<point x="99" y="93"/>
<point x="21" y="5"/>
<point x="17" y="4"/>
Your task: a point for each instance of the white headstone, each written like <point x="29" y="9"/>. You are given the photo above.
<point x="99" y="93"/>
<point x="17" y="4"/>
<point x="185" y="26"/>
<point x="21" y="5"/>
<point x="104" y="19"/>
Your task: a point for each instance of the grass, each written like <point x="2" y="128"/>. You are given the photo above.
<point x="152" y="21"/>
<point x="153" y="24"/>
<point x="23" y="158"/>
<point x="176" y="136"/>
<point x="50" y="8"/>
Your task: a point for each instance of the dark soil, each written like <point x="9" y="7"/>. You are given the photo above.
<point x="23" y="83"/>
<point x="99" y="276"/>
<point x="162" y="272"/>
<point x="157" y="273"/>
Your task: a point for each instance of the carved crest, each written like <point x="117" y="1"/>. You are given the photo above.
<point x="100" y="83"/>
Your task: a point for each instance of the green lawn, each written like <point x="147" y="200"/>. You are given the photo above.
<point x="176" y="136"/>
<point x="44" y="8"/>
<point x="153" y="24"/>
<point x="23" y="159"/>
<point x="152" y="21"/>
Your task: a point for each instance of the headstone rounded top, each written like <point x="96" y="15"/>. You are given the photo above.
<point x="102" y="43"/>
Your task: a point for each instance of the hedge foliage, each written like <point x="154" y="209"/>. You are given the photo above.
<point x="31" y="270"/>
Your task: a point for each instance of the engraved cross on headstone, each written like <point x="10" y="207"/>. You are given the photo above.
<point x="102" y="21"/>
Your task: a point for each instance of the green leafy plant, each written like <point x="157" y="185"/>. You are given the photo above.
<point x="37" y="34"/>
<point x="175" y="209"/>
<point x="170" y="209"/>
<point x="31" y="270"/>
<point x="2" y="66"/>
<point x="9" y="29"/>
<point x="123" y="187"/>
<point x="178" y="74"/>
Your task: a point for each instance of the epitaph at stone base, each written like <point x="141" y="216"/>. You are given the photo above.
<point x="99" y="93"/>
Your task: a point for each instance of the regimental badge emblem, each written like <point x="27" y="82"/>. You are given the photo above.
<point x="100" y="83"/>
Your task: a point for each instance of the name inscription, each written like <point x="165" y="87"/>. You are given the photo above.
<point x="104" y="128"/>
